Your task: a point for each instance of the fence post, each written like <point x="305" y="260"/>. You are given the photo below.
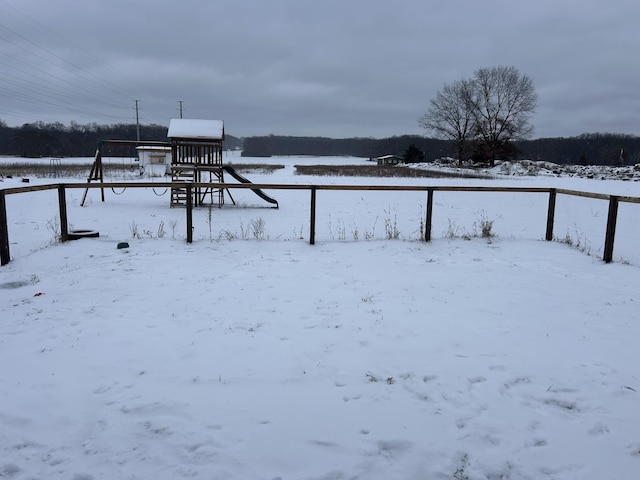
<point x="611" y="229"/>
<point x="551" y="212"/>
<point x="62" y="206"/>
<point x="312" y="221"/>
<point x="189" y="213"/>
<point x="428" y="220"/>
<point x="4" y="231"/>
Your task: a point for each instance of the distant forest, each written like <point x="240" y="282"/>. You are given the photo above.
<point x="586" y="149"/>
<point x="33" y="140"/>
<point x="58" y="140"/>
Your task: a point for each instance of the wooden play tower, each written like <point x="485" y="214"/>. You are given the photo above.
<point x="196" y="157"/>
<point x="196" y="163"/>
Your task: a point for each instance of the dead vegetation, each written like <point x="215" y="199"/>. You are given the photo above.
<point x="256" y="167"/>
<point x="10" y="169"/>
<point x="378" y="171"/>
<point x="43" y="170"/>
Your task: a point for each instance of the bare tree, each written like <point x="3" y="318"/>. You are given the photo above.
<point x="492" y="109"/>
<point x="450" y="115"/>
<point x="502" y="103"/>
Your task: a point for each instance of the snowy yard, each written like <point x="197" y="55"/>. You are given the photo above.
<point x="252" y="354"/>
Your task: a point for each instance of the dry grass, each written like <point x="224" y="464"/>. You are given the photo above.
<point x="44" y="170"/>
<point x="41" y="170"/>
<point x="376" y="171"/>
<point x="255" y="167"/>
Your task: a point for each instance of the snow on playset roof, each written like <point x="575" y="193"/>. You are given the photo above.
<point x="196" y="129"/>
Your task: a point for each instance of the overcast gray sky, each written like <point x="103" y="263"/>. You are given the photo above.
<point x="335" y="68"/>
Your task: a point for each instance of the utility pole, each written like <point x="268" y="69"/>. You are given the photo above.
<point x="180" y="103"/>
<point x="137" y="123"/>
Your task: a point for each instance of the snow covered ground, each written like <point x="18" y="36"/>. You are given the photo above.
<point x="251" y="354"/>
<point x="532" y="168"/>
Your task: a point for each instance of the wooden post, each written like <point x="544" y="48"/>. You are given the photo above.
<point x="62" y="206"/>
<point x="429" y="219"/>
<point x="189" y="213"/>
<point x="5" y="256"/>
<point x="312" y="225"/>
<point x="611" y="229"/>
<point x="97" y="173"/>
<point x="101" y="173"/>
<point x="551" y="212"/>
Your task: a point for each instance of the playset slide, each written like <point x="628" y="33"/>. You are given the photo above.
<point x="231" y="171"/>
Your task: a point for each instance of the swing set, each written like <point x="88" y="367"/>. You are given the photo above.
<point x="196" y="159"/>
<point x="104" y="149"/>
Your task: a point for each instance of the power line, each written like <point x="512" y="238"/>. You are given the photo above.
<point x="81" y="86"/>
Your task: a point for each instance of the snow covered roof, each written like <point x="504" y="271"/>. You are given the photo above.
<point x="196" y="129"/>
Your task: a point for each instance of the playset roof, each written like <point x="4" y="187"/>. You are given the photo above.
<point x="196" y="129"/>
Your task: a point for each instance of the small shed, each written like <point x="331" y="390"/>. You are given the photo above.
<point x="389" y="160"/>
<point x="155" y="161"/>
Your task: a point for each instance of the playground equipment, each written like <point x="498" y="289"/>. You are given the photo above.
<point x="196" y="157"/>
<point x="193" y="156"/>
<point x="154" y="161"/>
<point x="231" y="171"/>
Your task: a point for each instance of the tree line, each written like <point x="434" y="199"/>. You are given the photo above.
<point x="40" y="139"/>
<point x="57" y="140"/>
<point x="274" y="145"/>
<point x="586" y="149"/>
<point x="591" y="149"/>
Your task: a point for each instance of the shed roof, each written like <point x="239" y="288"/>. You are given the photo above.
<point x="196" y="129"/>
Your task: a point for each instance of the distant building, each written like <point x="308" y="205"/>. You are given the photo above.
<point x="389" y="160"/>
